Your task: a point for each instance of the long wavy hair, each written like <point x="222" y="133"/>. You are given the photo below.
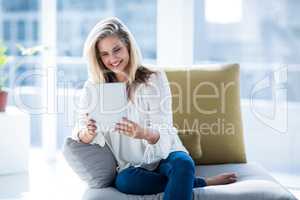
<point x="98" y="72"/>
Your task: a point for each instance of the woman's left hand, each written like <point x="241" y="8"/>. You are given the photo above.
<point x="131" y="129"/>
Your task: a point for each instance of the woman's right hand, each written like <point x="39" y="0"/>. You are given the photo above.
<point x="89" y="132"/>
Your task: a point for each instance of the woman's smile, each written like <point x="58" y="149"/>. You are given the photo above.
<point x="116" y="64"/>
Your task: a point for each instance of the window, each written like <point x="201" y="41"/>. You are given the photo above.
<point x="35" y="30"/>
<point x="262" y="37"/>
<point x="21" y="32"/>
<point x="20" y="19"/>
<point x="76" y="18"/>
<point x="223" y="12"/>
<point x="6" y="30"/>
<point x="20" y="5"/>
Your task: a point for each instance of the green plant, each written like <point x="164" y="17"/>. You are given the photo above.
<point x="4" y="59"/>
<point x="3" y="62"/>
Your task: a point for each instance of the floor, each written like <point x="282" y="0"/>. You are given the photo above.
<point x="56" y="181"/>
<point x="48" y="181"/>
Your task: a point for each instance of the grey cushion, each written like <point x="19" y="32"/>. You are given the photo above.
<point x="93" y="164"/>
<point x="253" y="183"/>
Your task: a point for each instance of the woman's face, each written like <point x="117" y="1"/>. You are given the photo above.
<point x="113" y="53"/>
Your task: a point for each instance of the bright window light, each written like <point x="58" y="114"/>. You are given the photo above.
<point x="223" y="12"/>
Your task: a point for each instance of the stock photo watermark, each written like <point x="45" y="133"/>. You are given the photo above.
<point x="158" y="101"/>
<point x="276" y="117"/>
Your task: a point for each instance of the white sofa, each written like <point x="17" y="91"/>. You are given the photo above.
<point x="254" y="183"/>
<point x="219" y="152"/>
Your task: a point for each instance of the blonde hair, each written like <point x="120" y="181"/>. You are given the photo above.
<point x="98" y="73"/>
<point x="110" y="27"/>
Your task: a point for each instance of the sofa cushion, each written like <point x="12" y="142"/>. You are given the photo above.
<point x="93" y="164"/>
<point x="192" y="142"/>
<point x="206" y="99"/>
<point x="253" y="183"/>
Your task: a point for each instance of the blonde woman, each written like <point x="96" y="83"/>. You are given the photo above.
<point x="150" y="156"/>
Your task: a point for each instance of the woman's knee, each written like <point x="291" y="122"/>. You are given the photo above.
<point x="125" y="181"/>
<point x="183" y="162"/>
<point x="122" y="183"/>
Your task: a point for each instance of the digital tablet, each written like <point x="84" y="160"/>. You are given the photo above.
<point x="109" y="104"/>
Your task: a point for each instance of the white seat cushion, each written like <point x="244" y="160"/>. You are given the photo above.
<point x="253" y="183"/>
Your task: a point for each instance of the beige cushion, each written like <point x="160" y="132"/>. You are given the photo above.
<point x="192" y="141"/>
<point x="206" y="102"/>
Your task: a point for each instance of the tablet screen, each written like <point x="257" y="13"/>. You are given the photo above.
<point x="109" y="104"/>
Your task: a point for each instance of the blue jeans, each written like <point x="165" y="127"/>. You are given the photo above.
<point x="175" y="176"/>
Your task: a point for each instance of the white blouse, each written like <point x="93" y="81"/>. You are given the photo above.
<point x="152" y="108"/>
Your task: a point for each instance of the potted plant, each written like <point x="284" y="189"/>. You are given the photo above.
<point x="3" y="93"/>
<point x="4" y="62"/>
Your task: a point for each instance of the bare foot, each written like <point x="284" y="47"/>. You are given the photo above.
<point x="221" y="179"/>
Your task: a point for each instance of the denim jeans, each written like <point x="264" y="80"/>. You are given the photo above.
<point x="175" y="176"/>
